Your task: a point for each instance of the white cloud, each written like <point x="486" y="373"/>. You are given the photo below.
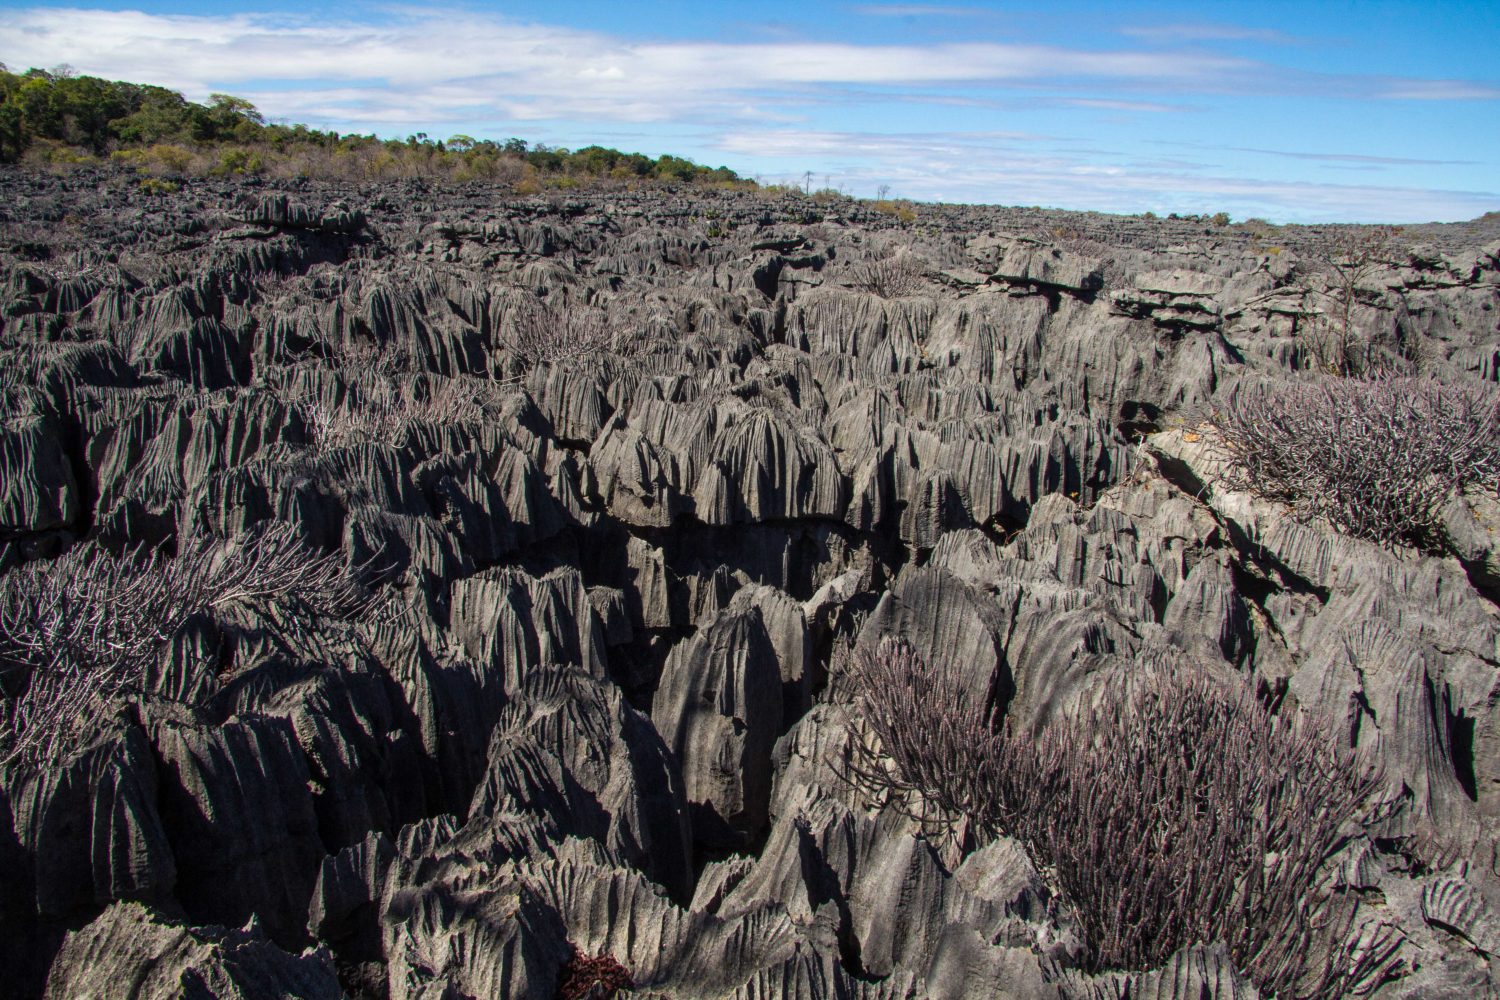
<point x="1109" y="104"/>
<point x="1360" y="159"/>
<point x="969" y="167"/>
<point x="424" y="71"/>
<point x="416" y="57"/>
<point x="536" y="63"/>
<point x="1202" y="32"/>
<point x="1439" y="90"/>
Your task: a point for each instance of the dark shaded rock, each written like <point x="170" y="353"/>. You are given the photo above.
<point x="236" y="806"/>
<point x="39" y="491"/>
<point x="719" y="709"/>
<point x="130" y="951"/>
<point x="91" y="831"/>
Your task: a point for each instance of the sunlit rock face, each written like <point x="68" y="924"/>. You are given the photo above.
<point x="618" y="476"/>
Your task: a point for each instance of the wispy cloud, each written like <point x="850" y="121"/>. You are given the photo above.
<point x="1438" y="90"/>
<point x="417" y="61"/>
<point x="972" y="167"/>
<point x="901" y="146"/>
<point x="918" y="10"/>
<point x="435" y="64"/>
<point x="1359" y="158"/>
<point x="425" y="68"/>
<point x="1208" y="33"/>
<point x="423" y="48"/>
<point x="1110" y="104"/>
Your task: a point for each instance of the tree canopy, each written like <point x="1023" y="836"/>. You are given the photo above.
<point x="99" y="117"/>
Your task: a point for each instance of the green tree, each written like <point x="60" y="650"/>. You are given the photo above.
<point x="235" y="107"/>
<point x="675" y="168"/>
<point x="13" y="137"/>
<point x="159" y="115"/>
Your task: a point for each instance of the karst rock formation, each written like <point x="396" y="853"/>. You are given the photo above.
<point x="590" y="698"/>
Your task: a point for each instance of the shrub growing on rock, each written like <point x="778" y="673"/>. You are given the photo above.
<point x="541" y="333"/>
<point x="889" y="277"/>
<point x="80" y="628"/>
<point x="1171" y="809"/>
<point x="596" y="977"/>
<point x="384" y="409"/>
<point x="1377" y="458"/>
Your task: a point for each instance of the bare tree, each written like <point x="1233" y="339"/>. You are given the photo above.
<point x="1170" y="809"/>
<point x="1346" y="258"/>
<point x="1378" y="458"/>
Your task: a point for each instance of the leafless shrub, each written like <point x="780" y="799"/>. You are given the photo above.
<point x="1377" y="458"/>
<point x="933" y="754"/>
<point x="383" y="411"/>
<point x="538" y="332"/>
<point x="1347" y="257"/>
<point x="42" y="726"/>
<point x="388" y="360"/>
<point x="889" y="277"/>
<point x="1218" y="819"/>
<point x="84" y="626"/>
<point x="1170" y="810"/>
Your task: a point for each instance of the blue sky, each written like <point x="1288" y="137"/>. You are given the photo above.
<point x="1295" y="112"/>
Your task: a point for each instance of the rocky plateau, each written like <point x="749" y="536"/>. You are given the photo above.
<point x="592" y="697"/>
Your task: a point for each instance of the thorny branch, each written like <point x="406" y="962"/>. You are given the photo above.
<point x="1171" y="808"/>
<point x="79" y="629"/>
<point x="1377" y="458"/>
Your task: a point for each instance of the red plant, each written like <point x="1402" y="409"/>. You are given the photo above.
<point x="596" y="977"/>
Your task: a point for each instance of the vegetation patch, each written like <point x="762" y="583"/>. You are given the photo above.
<point x="60" y="121"/>
<point x="1377" y="458"/>
<point x="1172" y="808"/>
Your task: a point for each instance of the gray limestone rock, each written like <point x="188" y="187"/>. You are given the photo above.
<point x="91" y="830"/>
<point x="719" y="709"/>
<point x="570" y="751"/>
<point x="238" y="813"/>
<point x="131" y="952"/>
<point x="591" y="693"/>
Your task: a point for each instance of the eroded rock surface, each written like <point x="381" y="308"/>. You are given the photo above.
<point x="593" y="701"/>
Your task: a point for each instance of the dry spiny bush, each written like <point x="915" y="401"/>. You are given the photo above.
<point x="889" y="277"/>
<point x="1171" y="809"/>
<point x="387" y="360"/>
<point x="1377" y="458"/>
<point x="934" y="755"/>
<point x="383" y="409"/>
<point x="83" y="627"/>
<point x="538" y="332"/>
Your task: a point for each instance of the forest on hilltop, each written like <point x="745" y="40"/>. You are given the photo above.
<point x="58" y="118"/>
